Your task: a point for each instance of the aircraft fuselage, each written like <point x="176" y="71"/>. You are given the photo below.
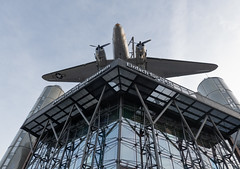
<point x="120" y="47"/>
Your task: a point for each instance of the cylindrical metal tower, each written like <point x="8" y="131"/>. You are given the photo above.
<point x="216" y="89"/>
<point x="18" y="151"/>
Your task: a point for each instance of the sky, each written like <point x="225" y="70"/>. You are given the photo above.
<point x="38" y="37"/>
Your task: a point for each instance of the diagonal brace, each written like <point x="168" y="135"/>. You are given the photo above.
<point x="163" y="111"/>
<point x="235" y="142"/>
<point x="152" y="126"/>
<point x="84" y="117"/>
<point x="202" y="125"/>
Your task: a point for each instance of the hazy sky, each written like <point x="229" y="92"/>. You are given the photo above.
<point x="41" y="36"/>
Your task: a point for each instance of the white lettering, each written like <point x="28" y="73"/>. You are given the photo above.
<point x="80" y="85"/>
<point x="150" y="74"/>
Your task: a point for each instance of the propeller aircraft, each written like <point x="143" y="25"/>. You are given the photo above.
<point x="162" y="67"/>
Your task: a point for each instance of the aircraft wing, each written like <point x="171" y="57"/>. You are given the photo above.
<point x="161" y="67"/>
<point x="73" y="74"/>
<point x="173" y="68"/>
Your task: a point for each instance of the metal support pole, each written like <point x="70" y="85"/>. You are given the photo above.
<point x="36" y="145"/>
<point x="220" y="134"/>
<point x="90" y="126"/>
<point x="30" y="141"/>
<point x="96" y="139"/>
<point x="191" y="133"/>
<point x="82" y="114"/>
<point x="163" y="111"/>
<point x="119" y="133"/>
<point x="64" y="151"/>
<point x="144" y="105"/>
<point x="64" y="126"/>
<point x="235" y="142"/>
<point x="54" y="131"/>
<point x="60" y="135"/>
<point x="152" y="126"/>
<point x="200" y="129"/>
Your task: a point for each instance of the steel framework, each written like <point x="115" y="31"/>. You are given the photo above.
<point x="130" y="141"/>
<point x="147" y="125"/>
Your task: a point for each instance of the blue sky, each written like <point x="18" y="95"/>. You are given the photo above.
<point x="37" y="37"/>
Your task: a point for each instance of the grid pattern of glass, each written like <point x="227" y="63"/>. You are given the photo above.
<point x="126" y="119"/>
<point x="175" y="147"/>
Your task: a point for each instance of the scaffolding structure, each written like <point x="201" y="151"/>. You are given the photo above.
<point x="127" y="117"/>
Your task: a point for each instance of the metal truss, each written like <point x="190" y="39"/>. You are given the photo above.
<point x="131" y="139"/>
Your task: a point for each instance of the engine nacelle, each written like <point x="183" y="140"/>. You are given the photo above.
<point x="141" y="54"/>
<point x="100" y="56"/>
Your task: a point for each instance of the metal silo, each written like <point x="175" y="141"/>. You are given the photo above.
<point x="19" y="149"/>
<point x="216" y="89"/>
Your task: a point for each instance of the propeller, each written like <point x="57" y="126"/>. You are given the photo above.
<point x="142" y="43"/>
<point x="98" y="46"/>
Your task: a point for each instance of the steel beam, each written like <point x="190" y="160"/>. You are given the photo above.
<point x="82" y="114"/>
<point x="119" y="133"/>
<point x="220" y="134"/>
<point x="163" y="111"/>
<point x="152" y="126"/>
<point x="191" y="133"/>
<point x="38" y="140"/>
<point x="235" y="142"/>
<point x="54" y="131"/>
<point x="90" y="127"/>
<point x="201" y="127"/>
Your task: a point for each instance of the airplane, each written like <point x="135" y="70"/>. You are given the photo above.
<point x="165" y="68"/>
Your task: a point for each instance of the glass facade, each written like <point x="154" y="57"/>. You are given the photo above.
<point x="125" y="117"/>
<point x="129" y="136"/>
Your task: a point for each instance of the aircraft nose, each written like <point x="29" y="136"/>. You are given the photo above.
<point x="117" y="26"/>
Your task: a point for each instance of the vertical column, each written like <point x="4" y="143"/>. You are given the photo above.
<point x="152" y="127"/>
<point x="119" y="133"/>
<point x="90" y="132"/>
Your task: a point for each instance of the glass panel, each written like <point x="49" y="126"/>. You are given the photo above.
<point x="228" y="125"/>
<point x="191" y="116"/>
<point x="41" y="118"/>
<point x="160" y="88"/>
<point x="195" y="111"/>
<point x="156" y="101"/>
<point x="65" y="103"/>
<point x="37" y="128"/>
<point x="223" y="129"/>
<point x="185" y="99"/>
<point x="215" y="119"/>
<point x="85" y="99"/>
<point x="31" y="125"/>
<point x="233" y="120"/>
<point x="58" y="115"/>
<point x="218" y="114"/>
<point x="127" y="74"/>
<point x="117" y="88"/>
<point x="124" y="88"/>
<point x="53" y="111"/>
<point x="80" y="94"/>
<point x="111" y="74"/>
<point x="201" y="106"/>
<point x="125" y="81"/>
<point x="90" y="104"/>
